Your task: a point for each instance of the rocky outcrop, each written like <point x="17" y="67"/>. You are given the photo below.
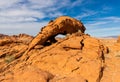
<point x="61" y="25"/>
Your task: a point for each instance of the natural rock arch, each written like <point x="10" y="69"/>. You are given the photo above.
<point x="61" y="25"/>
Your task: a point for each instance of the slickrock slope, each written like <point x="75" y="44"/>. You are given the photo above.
<point x="82" y="58"/>
<point x="78" y="57"/>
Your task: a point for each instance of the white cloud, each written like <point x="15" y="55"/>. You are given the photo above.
<point x="105" y="29"/>
<point x="33" y="8"/>
<point x="103" y="32"/>
<point x="24" y="25"/>
<point x="20" y="15"/>
<point x="28" y="10"/>
<point x="77" y="2"/>
<point x="111" y="18"/>
<point x="55" y="14"/>
<point x="83" y="15"/>
<point x="86" y="13"/>
<point x="41" y="3"/>
<point x="7" y="3"/>
<point x="106" y="26"/>
<point x="22" y="12"/>
<point x="103" y="21"/>
<point x="106" y="8"/>
<point x="5" y="20"/>
<point x="98" y="23"/>
<point x="30" y="28"/>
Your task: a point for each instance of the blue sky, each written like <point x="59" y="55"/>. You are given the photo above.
<point x="101" y="17"/>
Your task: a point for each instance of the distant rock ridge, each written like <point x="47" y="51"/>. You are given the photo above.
<point x="21" y="38"/>
<point x="3" y="36"/>
<point x="111" y="36"/>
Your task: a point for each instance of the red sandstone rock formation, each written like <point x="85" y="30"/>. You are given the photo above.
<point x="61" y="25"/>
